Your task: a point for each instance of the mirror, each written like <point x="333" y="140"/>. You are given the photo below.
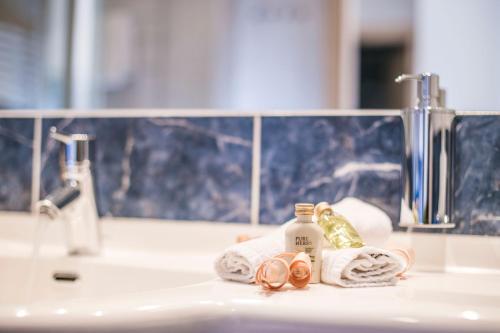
<point x="245" y="54"/>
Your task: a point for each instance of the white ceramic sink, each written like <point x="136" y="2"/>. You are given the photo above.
<point x="52" y="280"/>
<point x="158" y="277"/>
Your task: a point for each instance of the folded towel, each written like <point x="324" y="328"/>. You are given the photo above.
<point x="372" y="223"/>
<point x="239" y="262"/>
<point x="361" y="267"/>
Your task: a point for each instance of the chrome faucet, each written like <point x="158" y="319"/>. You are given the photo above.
<point x="74" y="201"/>
<point x="427" y="157"/>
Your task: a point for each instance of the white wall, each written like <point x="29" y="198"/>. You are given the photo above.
<point x="460" y="41"/>
<point x="162" y="53"/>
<point x="218" y="54"/>
<point x="279" y="54"/>
<point x="384" y="22"/>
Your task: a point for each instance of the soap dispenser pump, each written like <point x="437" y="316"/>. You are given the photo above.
<point x="427" y="156"/>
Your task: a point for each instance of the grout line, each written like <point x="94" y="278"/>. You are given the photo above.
<point x="36" y="161"/>
<point x="255" y="187"/>
<point x="194" y="113"/>
<point x="477" y="113"/>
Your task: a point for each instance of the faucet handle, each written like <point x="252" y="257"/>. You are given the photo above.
<point x="75" y="148"/>
<point x="67" y="139"/>
<point x="59" y="136"/>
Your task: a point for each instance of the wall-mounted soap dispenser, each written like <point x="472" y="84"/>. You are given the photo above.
<point x="427" y="156"/>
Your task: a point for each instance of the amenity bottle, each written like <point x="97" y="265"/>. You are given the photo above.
<point x="338" y="231"/>
<point x="306" y="236"/>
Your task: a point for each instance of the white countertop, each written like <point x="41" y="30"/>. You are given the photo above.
<point x="462" y="294"/>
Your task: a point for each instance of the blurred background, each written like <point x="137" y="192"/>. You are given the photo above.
<point x="245" y="54"/>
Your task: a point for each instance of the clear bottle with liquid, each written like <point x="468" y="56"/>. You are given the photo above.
<point x="306" y="236"/>
<point x="337" y="229"/>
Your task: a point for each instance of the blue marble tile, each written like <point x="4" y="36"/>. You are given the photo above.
<point x="312" y="159"/>
<point x="16" y="145"/>
<point x="191" y="169"/>
<point x="169" y="168"/>
<point x="477" y="175"/>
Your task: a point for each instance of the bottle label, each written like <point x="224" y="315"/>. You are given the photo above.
<point x="304" y="244"/>
<point x="302" y="241"/>
<point x="310" y="252"/>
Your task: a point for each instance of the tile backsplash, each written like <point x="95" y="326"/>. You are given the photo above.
<point x="166" y="168"/>
<point x="16" y="147"/>
<point x="477" y="175"/>
<point x="327" y="158"/>
<point x="200" y="168"/>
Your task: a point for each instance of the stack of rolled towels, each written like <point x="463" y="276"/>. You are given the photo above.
<point x="367" y="266"/>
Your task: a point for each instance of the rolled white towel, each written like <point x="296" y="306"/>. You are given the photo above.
<point x="361" y="267"/>
<point x="239" y="262"/>
<point x="372" y="223"/>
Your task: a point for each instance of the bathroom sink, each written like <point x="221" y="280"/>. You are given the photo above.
<point x="66" y="279"/>
<point x="134" y="261"/>
<point x="157" y="277"/>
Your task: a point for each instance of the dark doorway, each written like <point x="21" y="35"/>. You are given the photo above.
<point x="380" y="64"/>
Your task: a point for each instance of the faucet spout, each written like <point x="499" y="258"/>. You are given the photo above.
<point x="52" y="204"/>
<point x="74" y="201"/>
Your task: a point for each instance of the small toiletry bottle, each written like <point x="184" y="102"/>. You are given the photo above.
<point x="338" y="231"/>
<point x="306" y="236"/>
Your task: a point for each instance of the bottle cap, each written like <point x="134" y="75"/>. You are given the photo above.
<point x="322" y="207"/>
<point x="304" y="209"/>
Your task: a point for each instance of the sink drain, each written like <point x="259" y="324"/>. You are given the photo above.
<point x="65" y="276"/>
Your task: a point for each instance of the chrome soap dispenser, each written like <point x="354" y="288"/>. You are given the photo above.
<point x="427" y="155"/>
